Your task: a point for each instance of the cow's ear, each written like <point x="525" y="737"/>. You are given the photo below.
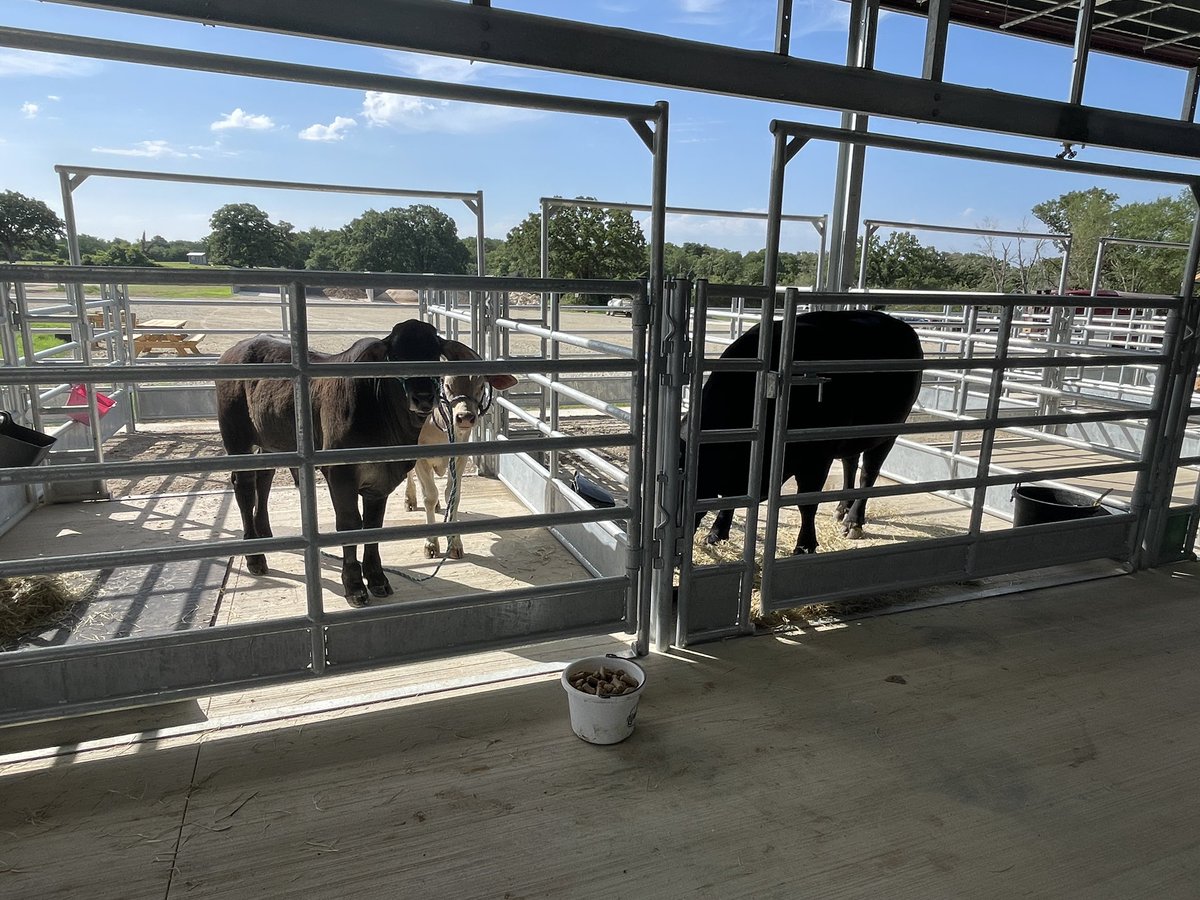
<point x="501" y="382"/>
<point x="454" y="350"/>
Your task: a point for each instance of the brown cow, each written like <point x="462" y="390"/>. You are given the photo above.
<point x="260" y="414"/>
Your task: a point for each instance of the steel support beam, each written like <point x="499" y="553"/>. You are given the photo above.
<point x="502" y="36"/>
<point x="1190" y="92"/>
<point x="783" y="27"/>
<point x="1083" y="40"/>
<point x="936" y="30"/>
<point x="852" y="158"/>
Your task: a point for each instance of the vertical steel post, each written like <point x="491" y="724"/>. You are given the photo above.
<point x="662" y="480"/>
<point x="306" y="447"/>
<point x="1190" y="92"/>
<point x="1172" y="398"/>
<point x="783" y="27"/>
<point x="860" y="53"/>
<point x="65" y="186"/>
<point x="480" y="238"/>
<point x="635" y="533"/>
<point x="937" y="28"/>
<point x="988" y="439"/>
<point x="868" y="233"/>
<point x="691" y="463"/>
<point x="822" y="228"/>
<point x="779" y="428"/>
<point x="1083" y="40"/>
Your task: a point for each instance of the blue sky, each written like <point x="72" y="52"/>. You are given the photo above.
<point x="59" y="110"/>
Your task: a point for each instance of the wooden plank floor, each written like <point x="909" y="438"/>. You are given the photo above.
<point x="1035" y="745"/>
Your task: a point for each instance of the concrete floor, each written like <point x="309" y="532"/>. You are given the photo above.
<point x="1034" y="745"/>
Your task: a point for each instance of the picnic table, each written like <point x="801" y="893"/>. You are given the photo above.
<point x="168" y="334"/>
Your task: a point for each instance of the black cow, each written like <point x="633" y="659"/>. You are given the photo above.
<point x="260" y="414"/>
<point x="847" y="398"/>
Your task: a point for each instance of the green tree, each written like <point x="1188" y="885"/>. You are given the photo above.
<point x="159" y="249"/>
<point x="1087" y="216"/>
<point x="902" y="262"/>
<point x="27" y="226"/>
<point x="416" y="238"/>
<point x="119" y="253"/>
<point x="585" y="242"/>
<point x="243" y="235"/>
<point x="1150" y="269"/>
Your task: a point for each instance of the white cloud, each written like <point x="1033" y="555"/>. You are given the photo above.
<point x="239" y="118"/>
<point x="701" y="7"/>
<point x="53" y="97"/>
<point x="23" y="63"/>
<point x="29" y="110"/>
<point x="438" y="68"/>
<point x="441" y="116"/>
<point x="335" y="131"/>
<point x="149" y="149"/>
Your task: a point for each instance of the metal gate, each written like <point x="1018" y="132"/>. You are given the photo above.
<point x="996" y="368"/>
<point x="327" y="637"/>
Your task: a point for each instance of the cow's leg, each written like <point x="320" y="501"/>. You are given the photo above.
<point x="246" y="486"/>
<point x="344" y="493"/>
<point x="720" y="529"/>
<point x="374" y="507"/>
<point x="424" y="472"/>
<point x="872" y="464"/>
<point x="410" y="488"/>
<point x="810" y="477"/>
<point x="849" y="472"/>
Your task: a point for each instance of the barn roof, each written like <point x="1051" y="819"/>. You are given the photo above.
<point x="1159" y="31"/>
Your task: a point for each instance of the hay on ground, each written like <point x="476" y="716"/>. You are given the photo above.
<point x="34" y="603"/>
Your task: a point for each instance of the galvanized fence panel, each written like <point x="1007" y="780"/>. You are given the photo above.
<point x="326" y="637"/>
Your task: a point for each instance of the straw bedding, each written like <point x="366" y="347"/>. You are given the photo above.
<point x="34" y="603"/>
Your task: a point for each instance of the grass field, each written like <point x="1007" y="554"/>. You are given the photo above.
<point x="166" y="291"/>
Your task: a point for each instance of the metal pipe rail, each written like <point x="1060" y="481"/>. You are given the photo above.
<point x="120" y="275"/>
<point x="585" y="399"/>
<point x="618" y="475"/>
<point x="952" y="484"/>
<point x="249" y="462"/>
<point x="186" y="550"/>
<point x="564" y="337"/>
<point x="143" y="54"/>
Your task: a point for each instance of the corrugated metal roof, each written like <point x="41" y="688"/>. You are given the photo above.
<point x="1152" y="30"/>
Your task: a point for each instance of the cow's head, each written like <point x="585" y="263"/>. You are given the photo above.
<point x="415" y="341"/>
<point x="469" y="396"/>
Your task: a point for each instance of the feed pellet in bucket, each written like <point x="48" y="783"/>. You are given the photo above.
<point x="604" y="682"/>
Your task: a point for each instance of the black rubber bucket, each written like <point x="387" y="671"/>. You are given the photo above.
<point x="1035" y="505"/>
<point x="21" y="446"/>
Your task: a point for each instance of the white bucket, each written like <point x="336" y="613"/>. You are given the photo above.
<point x="603" y="720"/>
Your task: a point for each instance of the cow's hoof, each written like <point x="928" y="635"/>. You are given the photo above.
<point x="804" y="551"/>
<point x="410" y="504"/>
<point x="381" y="590"/>
<point x="357" y="597"/>
<point x="841" y="513"/>
<point x="854" y="532"/>
<point x="257" y="564"/>
<point x="712" y="539"/>
<point x="431" y="551"/>
<point x="455" y="553"/>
